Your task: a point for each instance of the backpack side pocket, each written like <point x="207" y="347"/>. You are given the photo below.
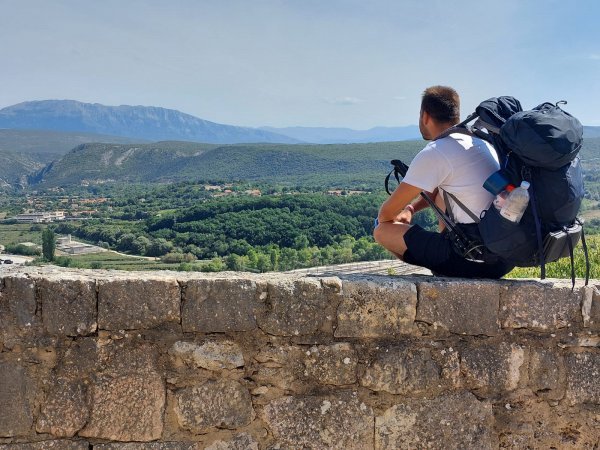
<point x="513" y="242"/>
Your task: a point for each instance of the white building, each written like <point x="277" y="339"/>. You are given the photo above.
<point x="41" y="217"/>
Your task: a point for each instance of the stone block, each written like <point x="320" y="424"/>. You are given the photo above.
<point x="590" y="308"/>
<point x="149" y="446"/>
<point x="242" y="441"/>
<point x="583" y="377"/>
<point x="133" y="304"/>
<point x="127" y="394"/>
<point x="528" y="422"/>
<point x="381" y="309"/>
<point x="295" y="308"/>
<point x="15" y="410"/>
<point x="48" y="445"/>
<point x="280" y="366"/>
<point x="461" y="307"/>
<point x="68" y="306"/>
<point x="539" y="306"/>
<point x="492" y="369"/>
<point x="339" y="421"/>
<point x="454" y="421"/>
<point x="402" y="370"/>
<point x="332" y="364"/>
<point x="211" y="355"/>
<point x="126" y="408"/>
<point x="213" y="404"/>
<point x="17" y="307"/>
<point x="220" y="306"/>
<point x="65" y="410"/>
<point x="546" y="374"/>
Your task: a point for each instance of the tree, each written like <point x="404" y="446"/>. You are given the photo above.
<point x="48" y="244"/>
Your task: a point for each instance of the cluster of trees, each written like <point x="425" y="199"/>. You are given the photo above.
<point x="276" y="232"/>
<point x="272" y="257"/>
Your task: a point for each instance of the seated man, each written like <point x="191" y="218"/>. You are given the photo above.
<point x="458" y="164"/>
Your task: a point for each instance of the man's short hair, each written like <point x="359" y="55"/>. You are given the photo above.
<point x="442" y="104"/>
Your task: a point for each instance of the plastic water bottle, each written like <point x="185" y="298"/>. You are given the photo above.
<point x="516" y="203"/>
<point x="501" y="197"/>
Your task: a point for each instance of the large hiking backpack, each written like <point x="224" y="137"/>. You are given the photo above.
<point x="540" y="146"/>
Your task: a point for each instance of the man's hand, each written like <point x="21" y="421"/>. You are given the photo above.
<point x="405" y="216"/>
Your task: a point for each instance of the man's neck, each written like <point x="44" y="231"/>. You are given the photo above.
<point x="440" y="128"/>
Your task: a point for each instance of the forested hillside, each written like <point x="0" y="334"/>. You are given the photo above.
<point x="348" y="164"/>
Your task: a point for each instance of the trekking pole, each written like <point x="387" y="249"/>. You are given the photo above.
<point x="464" y="244"/>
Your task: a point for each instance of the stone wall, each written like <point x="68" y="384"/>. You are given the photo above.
<point x="106" y="360"/>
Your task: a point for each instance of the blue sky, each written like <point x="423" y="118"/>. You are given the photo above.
<point x="335" y="63"/>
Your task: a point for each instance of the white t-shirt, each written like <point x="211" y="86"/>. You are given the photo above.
<point x="458" y="164"/>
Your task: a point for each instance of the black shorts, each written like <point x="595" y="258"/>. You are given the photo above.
<point x="436" y="252"/>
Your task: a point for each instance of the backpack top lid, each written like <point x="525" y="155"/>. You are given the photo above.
<point x="546" y="136"/>
<point x="497" y="110"/>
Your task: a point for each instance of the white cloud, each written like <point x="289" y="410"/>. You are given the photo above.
<point x="344" y="101"/>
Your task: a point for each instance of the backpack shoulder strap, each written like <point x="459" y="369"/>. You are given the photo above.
<point x="460" y="204"/>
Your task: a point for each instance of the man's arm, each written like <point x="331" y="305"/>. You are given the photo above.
<point x="400" y="198"/>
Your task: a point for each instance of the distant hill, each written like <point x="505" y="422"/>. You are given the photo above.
<point x="178" y="161"/>
<point x="159" y="162"/>
<point x="53" y="142"/>
<point x="138" y="122"/>
<point x="591" y="132"/>
<point x="15" y="168"/>
<point x="318" y="135"/>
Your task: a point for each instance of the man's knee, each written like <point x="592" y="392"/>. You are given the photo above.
<point x="378" y="233"/>
<point x="391" y="236"/>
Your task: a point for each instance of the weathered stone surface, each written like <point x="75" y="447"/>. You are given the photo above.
<point x="211" y="355"/>
<point x="68" y="306"/>
<point x="220" y="305"/>
<point x="590" y="308"/>
<point x="131" y="304"/>
<point x="48" y="445"/>
<point x="214" y="404"/>
<point x="462" y="307"/>
<point x="338" y="421"/>
<point x="65" y="410"/>
<point x="127" y="394"/>
<point x="583" y="377"/>
<point x="15" y="411"/>
<point x="150" y="446"/>
<point x="402" y="370"/>
<point x="528" y="422"/>
<point x="492" y="369"/>
<point x="452" y="421"/>
<point x="539" y="306"/>
<point x="546" y="374"/>
<point x="17" y="307"/>
<point x="376" y="310"/>
<point x="332" y="364"/>
<point x="126" y="408"/>
<point x="242" y="441"/>
<point x="280" y="365"/>
<point x="294" y="307"/>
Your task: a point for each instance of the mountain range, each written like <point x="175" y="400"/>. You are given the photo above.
<point x="146" y="123"/>
<point x="59" y="143"/>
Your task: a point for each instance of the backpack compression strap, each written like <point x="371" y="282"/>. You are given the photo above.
<point x="585" y="251"/>
<point x="460" y="204"/>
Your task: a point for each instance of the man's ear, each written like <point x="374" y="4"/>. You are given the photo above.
<point x="425" y="117"/>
